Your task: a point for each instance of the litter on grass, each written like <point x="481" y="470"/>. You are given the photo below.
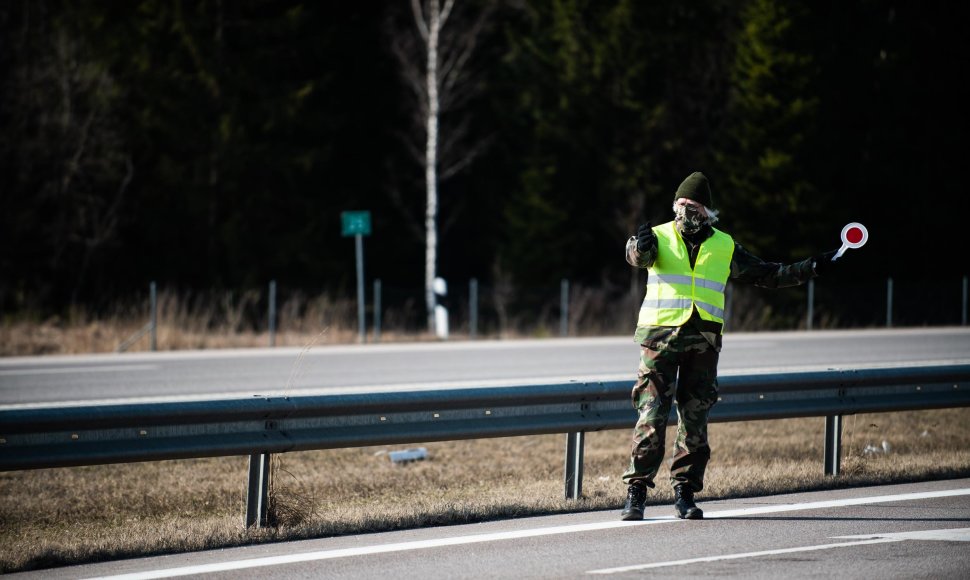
<point x="408" y="455"/>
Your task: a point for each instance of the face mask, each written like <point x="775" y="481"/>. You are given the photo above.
<point x="688" y="218"/>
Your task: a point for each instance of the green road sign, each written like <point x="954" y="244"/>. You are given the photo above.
<point x="355" y="223"/>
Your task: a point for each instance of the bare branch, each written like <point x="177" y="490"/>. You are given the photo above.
<point x="417" y="153"/>
<point x="477" y="149"/>
<point x="452" y="218"/>
<point x="458" y="57"/>
<point x="410" y="72"/>
<point x="419" y="19"/>
<point x="458" y="95"/>
<point x="454" y="135"/>
<point x="74" y="163"/>
<point x="112" y="214"/>
<point x="449" y="4"/>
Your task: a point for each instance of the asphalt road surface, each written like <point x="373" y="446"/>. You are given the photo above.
<point x="898" y="531"/>
<point x="72" y="380"/>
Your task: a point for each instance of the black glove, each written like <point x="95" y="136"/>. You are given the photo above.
<point x="646" y="239"/>
<point x="823" y="262"/>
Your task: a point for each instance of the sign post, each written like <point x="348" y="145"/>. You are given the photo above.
<point x="357" y="224"/>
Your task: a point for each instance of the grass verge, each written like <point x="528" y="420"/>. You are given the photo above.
<point x="60" y="517"/>
<point x="213" y="320"/>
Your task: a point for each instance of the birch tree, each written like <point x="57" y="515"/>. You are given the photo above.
<point x="434" y="63"/>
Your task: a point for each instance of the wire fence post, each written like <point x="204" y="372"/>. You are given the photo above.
<point x="811" y="304"/>
<point x="564" y="308"/>
<point x="377" y="310"/>
<point x="153" y="299"/>
<point x="272" y="312"/>
<point x="473" y="308"/>
<point x="963" y="315"/>
<point x="889" y="302"/>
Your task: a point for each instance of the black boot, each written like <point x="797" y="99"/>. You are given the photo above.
<point x="685" y="506"/>
<point x="636" y="496"/>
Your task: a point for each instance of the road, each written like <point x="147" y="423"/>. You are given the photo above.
<point x="897" y="531"/>
<point x="70" y="380"/>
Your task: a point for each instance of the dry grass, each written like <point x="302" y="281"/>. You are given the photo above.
<point x="185" y="322"/>
<point x="239" y="320"/>
<point x="65" y="516"/>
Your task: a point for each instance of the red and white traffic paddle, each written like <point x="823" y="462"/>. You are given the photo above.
<point x="854" y="235"/>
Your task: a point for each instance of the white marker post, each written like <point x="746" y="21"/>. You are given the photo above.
<point x="854" y="235"/>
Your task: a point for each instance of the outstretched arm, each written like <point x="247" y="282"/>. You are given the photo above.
<point x="747" y="268"/>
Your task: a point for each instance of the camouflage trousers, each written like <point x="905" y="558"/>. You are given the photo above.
<point x="657" y="386"/>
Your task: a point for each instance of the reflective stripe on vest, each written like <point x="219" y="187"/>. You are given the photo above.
<point x="676" y="279"/>
<point x="674" y="289"/>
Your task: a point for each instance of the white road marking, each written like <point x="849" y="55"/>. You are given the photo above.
<point x="636" y="567"/>
<point x="516" y="534"/>
<point x="72" y="370"/>
<point x="948" y="535"/>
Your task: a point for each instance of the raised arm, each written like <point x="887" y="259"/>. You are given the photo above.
<point x="641" y="249"/>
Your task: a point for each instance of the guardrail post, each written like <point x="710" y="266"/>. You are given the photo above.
<point x="833" y="444"/>
<point x="575" y="442"/>
<point x="257" y="499"/>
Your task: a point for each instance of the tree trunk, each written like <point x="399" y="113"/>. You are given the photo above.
<point x="431" y="163"/>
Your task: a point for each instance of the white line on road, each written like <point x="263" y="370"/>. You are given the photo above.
<point x="948" y="535"/>
<point x="71" y="370"/>
<point x="636" y="567"/>
<point x="516" y="534"/>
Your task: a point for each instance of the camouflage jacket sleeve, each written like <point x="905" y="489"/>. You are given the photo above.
<point x="637" y="259"/>
<point x="747" y="268"/>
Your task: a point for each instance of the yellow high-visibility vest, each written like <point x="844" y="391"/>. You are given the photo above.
<point x="674" y="288"/>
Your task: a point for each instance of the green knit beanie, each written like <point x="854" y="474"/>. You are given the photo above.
<point x="696" y="188"/>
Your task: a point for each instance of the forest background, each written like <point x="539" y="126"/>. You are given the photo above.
<point x="212" y="145"/>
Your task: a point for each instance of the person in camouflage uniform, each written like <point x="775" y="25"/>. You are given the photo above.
<point x="691" y="348"/>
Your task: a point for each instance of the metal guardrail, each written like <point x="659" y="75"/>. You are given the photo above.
<point x="33" y="438"/>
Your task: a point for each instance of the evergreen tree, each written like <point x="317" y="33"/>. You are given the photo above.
<point x="762" y="182"/>
<point x="584" y="126"/>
